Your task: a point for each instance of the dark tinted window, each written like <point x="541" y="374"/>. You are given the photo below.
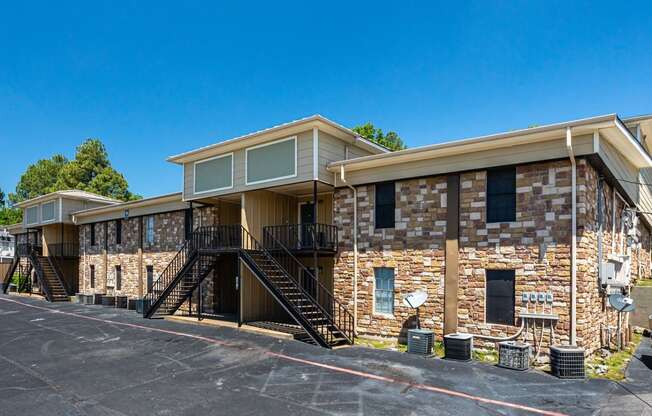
<point x="92" y="234"/>
<point x="118" y="277"/>
<point x="118" y="232"/>
<point x="92" y="276"/>
<point x="500" y="297"/>
<point x="385" y="204"/>
<point x="501" y="195"/>
<point x="150" y="278"/>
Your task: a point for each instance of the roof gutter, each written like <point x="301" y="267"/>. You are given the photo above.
<point x="355" y="249"/>
<point x="474" y="144"/>
<point x="573" y="265"/>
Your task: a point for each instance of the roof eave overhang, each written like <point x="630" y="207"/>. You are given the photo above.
<point x="638" y="155"/>
<point x="126" y="205"/>
<point x="288" y="129"/>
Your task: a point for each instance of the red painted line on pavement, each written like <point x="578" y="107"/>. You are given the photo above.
<point x="357" y="373"/>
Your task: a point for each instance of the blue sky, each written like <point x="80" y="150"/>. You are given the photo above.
<point x="152" y="79"/>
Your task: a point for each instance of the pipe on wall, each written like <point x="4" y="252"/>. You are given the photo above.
<point x="573" y="311"/>
<point x="355" y="250"/>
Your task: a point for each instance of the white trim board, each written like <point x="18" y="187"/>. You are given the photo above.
<point x="194" y="174"/>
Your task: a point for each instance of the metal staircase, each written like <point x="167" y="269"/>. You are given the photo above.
<point x="49" y="280"/>
<point x="10" y="274"/>
<point x="327" y="322"/>
<point x="47" y="274"/>
<point x="178" y="281"/>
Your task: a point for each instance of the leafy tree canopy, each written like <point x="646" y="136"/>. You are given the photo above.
<point x="90" y="171"/>
<point x="8" y="215"/>
<point x="391" y="140"/>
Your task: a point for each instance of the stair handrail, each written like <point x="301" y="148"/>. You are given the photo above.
<point x="339" y="310"/>
<point x="58" y="272"/>
<point x="10" y="273"/>
<point x="209" y="237"/>
<point x="167" y="278"/>
<point x="43" y="284"/>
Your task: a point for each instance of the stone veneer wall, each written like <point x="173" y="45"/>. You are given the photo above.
<point x="168" y="238"/>
<point x="536" y="246"/>
<point x="593" y="312"/>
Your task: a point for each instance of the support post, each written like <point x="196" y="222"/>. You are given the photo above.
<point x="314" y="229"/>
<point x="140" y="257"/>
<point x="200" y="302"/>
<point x="238" y="289"/>
<point x="452" y="253"/>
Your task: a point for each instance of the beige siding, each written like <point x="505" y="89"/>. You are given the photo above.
<point x="624" y="171"/>
<point x="548" y="150"/>
<point x="304" y="170"/>
<point x="620" y="168"/>
<point x="357" y="152"/>
<point x="260" y="208"/>
<point x="332" y="149"/>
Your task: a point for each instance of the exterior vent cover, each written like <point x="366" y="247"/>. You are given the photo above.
<point x="567" y="361"/>
<point x="121" y="302"/>
<point x="420" y="341"/>
<point x="458" y="346"/>
<point x="97" y="299"/>
<point x="514" y="355"/>
<point x="108" y="300"/>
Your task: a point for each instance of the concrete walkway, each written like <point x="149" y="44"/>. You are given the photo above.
<point x="67" y="359"/>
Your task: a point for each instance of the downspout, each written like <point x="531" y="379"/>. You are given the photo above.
<point x="573" y="311"/>
<point x="355" y="250"/>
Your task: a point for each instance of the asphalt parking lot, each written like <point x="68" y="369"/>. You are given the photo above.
<point x="69" y="359"/>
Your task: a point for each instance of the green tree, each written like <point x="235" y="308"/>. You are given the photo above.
<point x="8" y="215"/>
<point x="90" y="171"/>
<point x="38" y="179"/>
<point x="391" y="140"/>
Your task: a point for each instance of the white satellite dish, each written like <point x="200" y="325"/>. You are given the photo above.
<point x="414" y="300"/>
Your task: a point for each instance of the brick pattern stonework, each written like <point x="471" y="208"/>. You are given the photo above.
<point x="536" y="246"/>
<point x="169" y="236"/>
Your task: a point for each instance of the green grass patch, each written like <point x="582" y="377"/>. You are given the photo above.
<point x="489" y="355"/>
<point x="486" y="355"/>
<point x="644" y="283"/>
<point x="381" y="343"/>
<point x="612" y="367"/>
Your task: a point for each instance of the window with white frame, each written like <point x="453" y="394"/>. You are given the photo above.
<point x="271" y="161"/>
<point x="149" y="229"/>
<point x="31" y="215"/>
<point x="213" y="174"/>
<point x="47" y="212"/>
<point x="384" y="291"/>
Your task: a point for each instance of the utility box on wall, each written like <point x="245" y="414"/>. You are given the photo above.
<point x="615" y="271"/>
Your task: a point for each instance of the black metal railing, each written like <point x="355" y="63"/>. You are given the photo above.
<point x="44" y="287"/>
<point x="65" y="250"/>
<point x="334" y="318"/>
<point x="168" y="278"/>
<point x="26" y="249"/>
<point x="297" y="237"/>
<point x="8" y="277"/>
<point x="339" y="315"/>
<point x="219" y="237"/>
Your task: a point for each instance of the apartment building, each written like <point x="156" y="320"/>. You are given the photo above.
<point x="309" y="224"/>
